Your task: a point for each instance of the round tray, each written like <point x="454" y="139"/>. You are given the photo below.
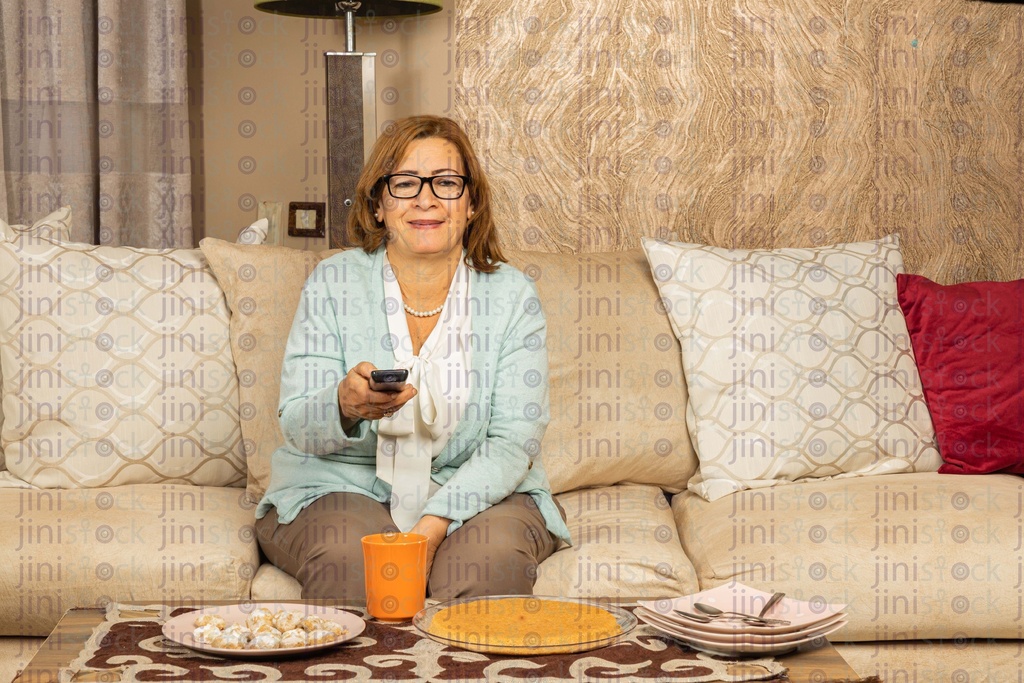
<point x="626" y="622"/>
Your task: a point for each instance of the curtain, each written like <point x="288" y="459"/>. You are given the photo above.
<point x="94" y="114"/>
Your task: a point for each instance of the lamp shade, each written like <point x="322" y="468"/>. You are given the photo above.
<point x="331" y="9"/>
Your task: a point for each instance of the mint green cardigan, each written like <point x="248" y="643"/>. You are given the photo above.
<point x="495" y="449"/>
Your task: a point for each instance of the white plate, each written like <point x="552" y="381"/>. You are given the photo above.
<point x="736" y="597"/>
<point x="179" y="629"/>
<point x="738" y="637"/>
<point x="738" y="648"/>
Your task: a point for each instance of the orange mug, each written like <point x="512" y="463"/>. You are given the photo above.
<point x="396" y="575"/>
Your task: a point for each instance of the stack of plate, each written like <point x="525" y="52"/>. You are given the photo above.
<point x="807" y="621"/>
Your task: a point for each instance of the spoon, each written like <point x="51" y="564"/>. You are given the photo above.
<point x="714" y="612"/>
<point x="696" y="617"/>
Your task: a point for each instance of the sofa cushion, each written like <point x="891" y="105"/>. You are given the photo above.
<point x="271" y="583"/>
<point x="86" y="547"/>
<point x="797" y="362"/>
<point x="117" y="368"/>
<point x="913" y="556"/>
<point x="969" y="343"/>
<point x="9" y="481"/>
<point x="262" y="285"/>
<point x="57" y="226"/>
<point x="955" y="660"/>
<point x="617" y="392"/>
<point x="625" y="545"/>
<point x="15" y="654"/>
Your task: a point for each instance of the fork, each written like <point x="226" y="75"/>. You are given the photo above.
<point x="714" y="612"/>
<point x="724" y="616"/>
<point x="771" y="603"/>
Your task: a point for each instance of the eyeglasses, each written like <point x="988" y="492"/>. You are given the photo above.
<point x="404" y="186"/>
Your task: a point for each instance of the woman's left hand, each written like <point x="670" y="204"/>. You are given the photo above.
<point x="436" y="530"/>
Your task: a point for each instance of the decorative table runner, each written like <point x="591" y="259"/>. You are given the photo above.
<point x="129" y="646"/>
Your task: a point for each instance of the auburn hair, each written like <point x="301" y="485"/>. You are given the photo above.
<point x="480" y="239"/>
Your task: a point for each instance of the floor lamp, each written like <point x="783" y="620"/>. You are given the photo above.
<point x="351" y="95"/>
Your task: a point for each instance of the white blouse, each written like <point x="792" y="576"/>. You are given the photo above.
<point x="410" y="439"/>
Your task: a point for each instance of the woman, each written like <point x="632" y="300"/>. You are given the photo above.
<point x="453" y="454"/>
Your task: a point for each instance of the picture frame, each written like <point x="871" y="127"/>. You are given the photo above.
<point x="307" y="219"/>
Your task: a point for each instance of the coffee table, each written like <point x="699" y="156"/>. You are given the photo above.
<point x="806" y="665"/>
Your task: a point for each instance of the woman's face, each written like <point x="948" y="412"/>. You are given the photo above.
<point x="425" y="225"/>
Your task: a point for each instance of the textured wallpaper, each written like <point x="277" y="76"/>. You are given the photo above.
<point x="752" y="124"/>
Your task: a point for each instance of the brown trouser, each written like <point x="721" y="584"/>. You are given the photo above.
<point x="494" y="553"/>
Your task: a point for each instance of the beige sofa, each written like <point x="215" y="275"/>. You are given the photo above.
<point x="928" y="565"/>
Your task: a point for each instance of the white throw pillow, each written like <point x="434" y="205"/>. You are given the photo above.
<point x="255" y="233"/>
<point x="117" y="367"/>
<point x="798" y="363"/>
<point x="56" y="226"/>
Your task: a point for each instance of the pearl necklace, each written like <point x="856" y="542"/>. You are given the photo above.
<point x="422" y="314"/>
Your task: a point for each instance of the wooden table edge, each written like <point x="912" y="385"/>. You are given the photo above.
<point x="808" y="664"/>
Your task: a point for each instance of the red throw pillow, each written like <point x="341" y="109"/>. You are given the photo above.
<point x="968" y="340"/>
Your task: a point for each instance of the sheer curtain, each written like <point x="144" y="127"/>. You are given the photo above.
<point x="94" y="114"/>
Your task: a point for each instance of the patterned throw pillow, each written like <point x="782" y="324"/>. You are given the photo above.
<point x="262" y="285"/>
<point x="797" y="361"/>
<point x="117" y="367"/>
<point x="56" y="226"/>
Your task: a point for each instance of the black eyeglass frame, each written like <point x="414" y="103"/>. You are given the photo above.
<point x="466" y="180"/>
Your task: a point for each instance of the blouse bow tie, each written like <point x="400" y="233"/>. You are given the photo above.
<point x="428" y="404"/>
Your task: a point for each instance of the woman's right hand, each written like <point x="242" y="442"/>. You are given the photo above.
<point x="358" y="401"/>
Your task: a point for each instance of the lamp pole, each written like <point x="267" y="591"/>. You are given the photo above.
<point x="351" y="123"/>
<point x="351" y="131"/>
<point x="351" y="95"/>
<point x="350" y="7"/>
